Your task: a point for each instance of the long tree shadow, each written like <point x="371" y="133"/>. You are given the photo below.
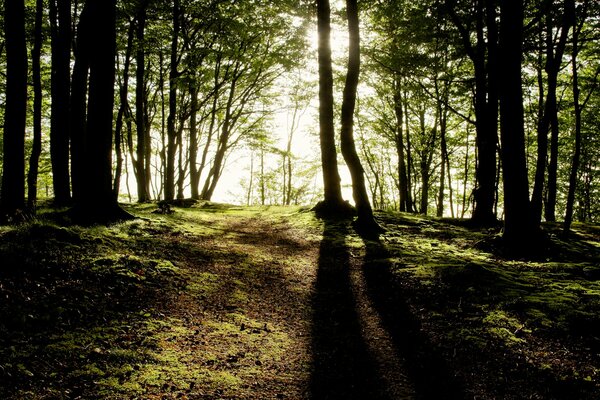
<point x="428" y="371"/>
<point x="342" y="366"/>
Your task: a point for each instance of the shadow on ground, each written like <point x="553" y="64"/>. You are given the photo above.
<point x="345" y="365"/>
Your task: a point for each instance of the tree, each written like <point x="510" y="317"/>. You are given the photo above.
<point x="333" y="201"/>
<point x="483" y="55"/>
<point x="12" y="202"/>
<point x="60" y="20"/>
<point x="36" y="148"/>
<point x="141" y="167"/>
<point x="365" y="221"/>
<point x="519" y="228"/>
<point x="96" y="202"/>
<point x="549" y="117"/>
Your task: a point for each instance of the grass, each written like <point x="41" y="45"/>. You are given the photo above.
<point x="214" y="301"/>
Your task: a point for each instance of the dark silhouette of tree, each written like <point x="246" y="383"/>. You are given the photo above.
<point x="36" y="148"/>
<point x="61" y="31"/>
<point x="171" y="128"/>
<point x="483" y="54"/>
<point x="96" y="202"/>
<point x="365" y="220"/>
<point x="12" y="201"/>
<point x="549" y="117"/>
<point x="141" y="163"/>
<point x="78" y="103"/>
<point x="333" y="201"/>
<point x="519" y="229"/>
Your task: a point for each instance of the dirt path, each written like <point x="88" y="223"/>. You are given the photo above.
<point x="291" y="318"/>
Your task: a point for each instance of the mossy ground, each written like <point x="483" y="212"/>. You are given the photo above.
<point x="215" y="301"/>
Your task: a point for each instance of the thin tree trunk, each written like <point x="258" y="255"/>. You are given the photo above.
<point x="549" y="118"/>
<point x="171" y="131"/>
<point x="578" y="136"/>
<point x="36" y="149"/>
<point x="123" y="112"/>
<point x="140" y="169"/>
<point x="331" y="177"/>
<point x="568" y="21"/>
<point x="403" y="186"/>
<point x="193" y="150"/>
<point x="365" y="218"/>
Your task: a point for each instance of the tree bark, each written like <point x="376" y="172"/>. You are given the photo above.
<point x="140" y="169"/>
<point x="36" y="149"/>
<point x="365" y="220"/>
<point x="60" y="19"/>
<point x="78" y="103"/>
<point x="519" y="229"/>
<point x="404" y="194"/>
<point x="549" y="119"/>
<point x="331" y="177"/>
<point x="12" y="202"/>
<point x="171" y="131"/>
<point x="97" y="202"/>
<point x="123" y="111"/>
<point x="578" y="136"/>
<point x="568" y="22"/>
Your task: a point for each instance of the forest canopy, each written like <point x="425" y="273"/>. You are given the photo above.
<point x="480" y="109"/>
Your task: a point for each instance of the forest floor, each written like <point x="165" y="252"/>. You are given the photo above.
<point x="223" y="302"/>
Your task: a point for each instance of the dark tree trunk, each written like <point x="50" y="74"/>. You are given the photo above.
<point x="519" y="229"/>
<point x="140" y="108"/>
<point x="365" y="220"/>
<point x="60" y="19"/>
<point x="548" y="119"/>
<point x="36" y="149"/>
<point x="13" y="173"/>
<point x="578" y="137"/>
<point x="331" y="177"/>
<point x="97" y="202"/>
<point x="217" y="168"/>
<point x="194" y="173"/>
<point x="487" y="121"/>
<point x="171" y="131"/>
<point x="567" y="23"/>
<point x="486" y="105"/>
<point x="123" y="112"/>
<point x="78" y="104"/>
<point x="399" y="142"/>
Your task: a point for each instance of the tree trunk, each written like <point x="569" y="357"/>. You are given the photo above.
<point x="518" y="225"/>
<point x="140" y="170"/>
<point x="549" y="119"/>
<point x="365" y="220"/>
<point x="193" y="151"/>
<point x="331" y="177"/>
<point x="403" y="190"/>
<point x="123" y="112"/>
<point x="60" y="19"/>
<point x="578" y="137"/>
<point x="97" y="202"/>
<point x="171" y="131"/>
<point x="12" y="202"/>
<point x="78" y="104"/>
<point x="567" y="23"/>
<point x="486" y="105"/>
<point x="36" y="149"/>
